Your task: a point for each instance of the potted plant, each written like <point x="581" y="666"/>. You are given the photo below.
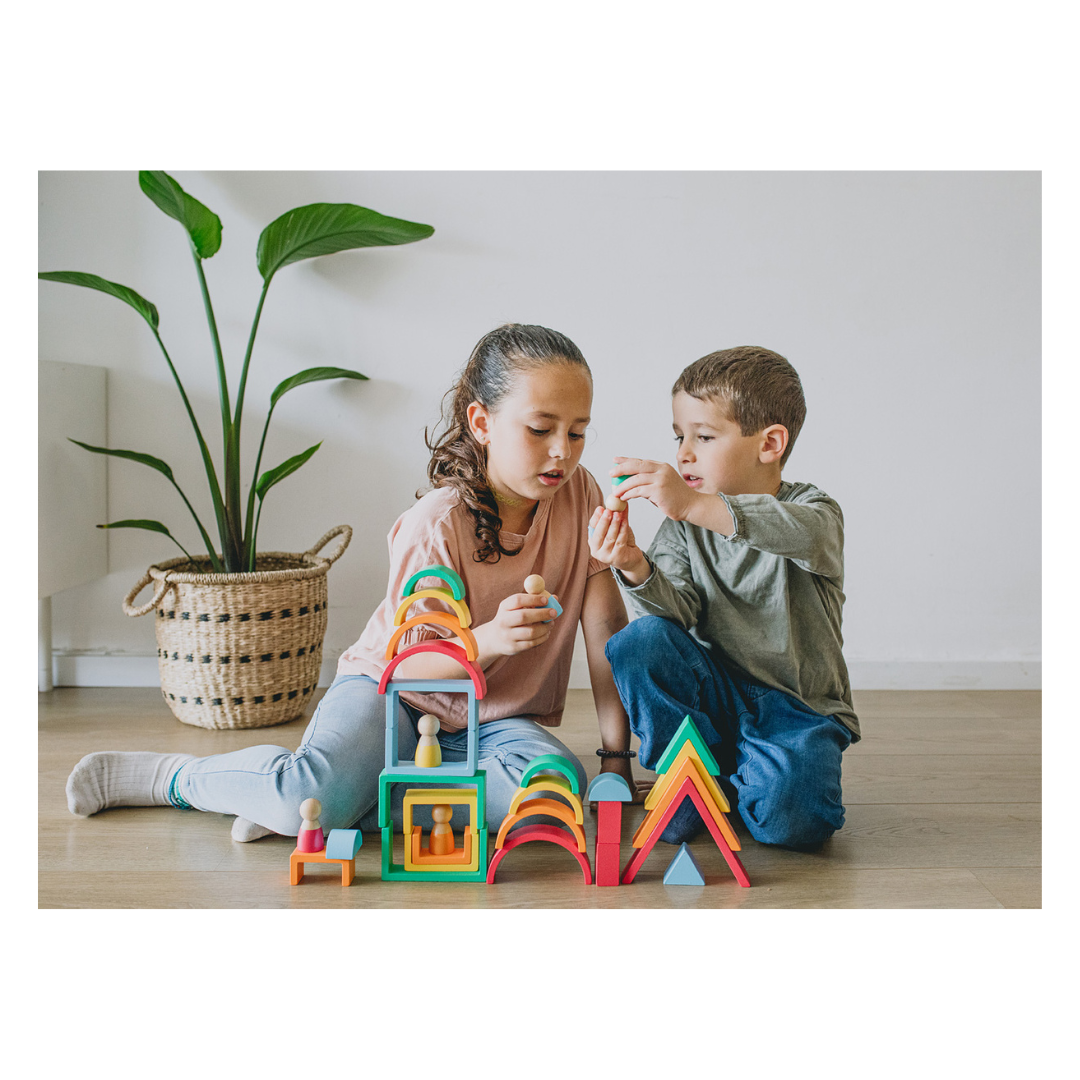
<point x="240" y="631"/>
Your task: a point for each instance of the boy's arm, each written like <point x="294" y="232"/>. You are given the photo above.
<point x="809" y="529"/>
<point x="603" y="615"/>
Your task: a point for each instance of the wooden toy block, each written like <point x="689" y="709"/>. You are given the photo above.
<point x="445" y="648"/>
<point x="424" y="686"/>
<point x="551" y="763"/>
<point x="560" y="787"/>
<point x="310" y="838"/>
<point x="451" y="577"/>
<point x="539" y="832"/>
<point x="534" y="586"/>
<point x="445" y="595"/>
<point x="299" y="859"/>
<point x="435" y="618"/>
<point x="687" y="772"/>
<point x="660" y="788"/>
<point x="418" y="857"/>
<point x="428" y="750"/>
<point x="392" y="871"/>
<point x="687" y="790"/>
<point x="546" y="808"/>
<point x="344" y="843"/>
<point x="609" y="823"/>
<point x="684" y="869"/>
<point x="688" y="730"/>
<point x="608" y="787"/>
<point x="388" y="777"/>
<point x="607" y="864"/>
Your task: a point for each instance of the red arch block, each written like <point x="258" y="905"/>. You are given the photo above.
<point x="539" y="832"/>
<point x="445" y="648"/>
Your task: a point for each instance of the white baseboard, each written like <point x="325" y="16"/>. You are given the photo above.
<point x="116" y="669"/>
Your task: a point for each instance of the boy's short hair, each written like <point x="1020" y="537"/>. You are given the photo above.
<point x="758" y="386"/>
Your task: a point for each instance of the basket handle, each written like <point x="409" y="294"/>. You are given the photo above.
<point x="340" y="530"/>
<point x="159" y="592"/>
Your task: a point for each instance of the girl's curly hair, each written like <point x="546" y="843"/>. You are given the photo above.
<point x="457" y="459"/>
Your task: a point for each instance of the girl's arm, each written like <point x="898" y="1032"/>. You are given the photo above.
<point x="602" y="615"/>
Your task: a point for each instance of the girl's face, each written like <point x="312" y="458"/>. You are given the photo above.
<point x="535" y="437"/>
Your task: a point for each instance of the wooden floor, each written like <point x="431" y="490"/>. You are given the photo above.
<point x="943" y="800"/>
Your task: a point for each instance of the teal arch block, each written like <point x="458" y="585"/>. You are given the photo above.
<point x="451" y="577"/>
<point x="684" y="869"/>
<point x="551" y="763"/>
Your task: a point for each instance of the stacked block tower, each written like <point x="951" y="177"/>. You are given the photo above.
<point x="687" y="770"/>
<point x="554" y="774"/>
<point x="441" y="858"/>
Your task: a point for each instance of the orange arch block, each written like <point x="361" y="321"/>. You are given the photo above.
<point x="444" y="648"/>
<point x="547" y="808"/>
<point x="439" y="618"/>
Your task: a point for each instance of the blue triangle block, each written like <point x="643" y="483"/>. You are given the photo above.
<point x="684" y="869"/>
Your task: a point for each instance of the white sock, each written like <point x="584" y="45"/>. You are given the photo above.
<point x="118" y="778"/>
<point x="244" y="831"/>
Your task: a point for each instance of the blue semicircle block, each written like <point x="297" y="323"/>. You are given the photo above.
<point x="608" y="787"/>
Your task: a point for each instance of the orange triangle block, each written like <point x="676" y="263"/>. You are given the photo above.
<point x="687" y="770"/>
<point x="687" y="750"/>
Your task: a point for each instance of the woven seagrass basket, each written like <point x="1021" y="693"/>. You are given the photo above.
<point x="241" y="650"/>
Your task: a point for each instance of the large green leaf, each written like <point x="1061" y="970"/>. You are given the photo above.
<point x="130" y="455"/>
<point x="202" y="224"/>
<point x="286" y="468"/>
<point x="121" y="292"/>
<point x="315" y="374"/>
<point x="139" y="523"/>
<point x="324" y="228"/>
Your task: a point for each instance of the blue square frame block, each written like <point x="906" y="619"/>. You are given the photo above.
<point x="432" y="686"/>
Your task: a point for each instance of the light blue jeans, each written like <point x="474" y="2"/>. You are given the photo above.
<point x="339" y="760"/>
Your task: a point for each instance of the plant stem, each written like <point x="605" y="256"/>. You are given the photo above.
<point x="248" y="533"/>
<point x="251" y="532"/>
<point x="231" y="540"/>
<point x="208" y="463"/>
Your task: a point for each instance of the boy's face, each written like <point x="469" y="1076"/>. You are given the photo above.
<point x="713" y="454"/>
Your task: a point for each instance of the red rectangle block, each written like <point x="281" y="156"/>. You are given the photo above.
<point x="608" y="822"/>
<point x="607" y="864"/>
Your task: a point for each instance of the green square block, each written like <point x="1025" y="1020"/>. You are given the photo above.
<point x="392" y="871"/>
<point x="423" y="778"/>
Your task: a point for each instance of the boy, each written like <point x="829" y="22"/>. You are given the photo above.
<point x="738" y="602"/>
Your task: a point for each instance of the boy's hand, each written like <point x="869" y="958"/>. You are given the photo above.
<point x="611" y="540"/>
<point x="522" y="622"/>
<point x="657" y="482"/>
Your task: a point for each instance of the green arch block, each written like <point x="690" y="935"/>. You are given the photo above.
<point x="551" y="763"/>
<point x="451" y="577"/>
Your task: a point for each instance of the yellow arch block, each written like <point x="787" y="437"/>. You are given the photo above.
<point x="548" y="783"/>
<point x="440" y="618"/>
<point x="547" y="808"/>
<point x="445" y="595"/>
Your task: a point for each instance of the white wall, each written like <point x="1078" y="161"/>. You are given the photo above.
<point x="909" y="303"/>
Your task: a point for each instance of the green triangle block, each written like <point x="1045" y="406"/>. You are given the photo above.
<point x="684" y="869"/>
<point x="687" y="730"/>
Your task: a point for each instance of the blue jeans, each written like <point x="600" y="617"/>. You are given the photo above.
<point x="778" y="758"/>
<point x="339" y="760"/>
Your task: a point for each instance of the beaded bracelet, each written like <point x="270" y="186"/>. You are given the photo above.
<point x="616" y="753"/>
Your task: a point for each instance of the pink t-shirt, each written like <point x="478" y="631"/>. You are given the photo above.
<point x="440" y="530"/>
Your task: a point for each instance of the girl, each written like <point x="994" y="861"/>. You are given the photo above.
<point x="508" y="500"/>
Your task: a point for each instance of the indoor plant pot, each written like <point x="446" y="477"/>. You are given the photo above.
<point x="240" y="650"/>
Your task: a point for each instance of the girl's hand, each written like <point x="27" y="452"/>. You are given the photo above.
<point x="656" y="481"/>
<point x="522" y="622"/>
<point x="611" y="540"/>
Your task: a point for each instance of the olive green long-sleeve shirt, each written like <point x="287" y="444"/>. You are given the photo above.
<point x="767" y="600"/>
